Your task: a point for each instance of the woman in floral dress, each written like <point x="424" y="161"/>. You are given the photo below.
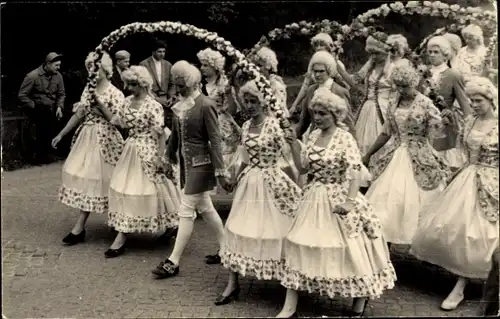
<point x="95" y="149"/>
<point x="471" y="59"/>
<point x="410" y="174"/>
<point x="335" y="235"/>
<point x="386" y="53"/>
<point x="216" y="87"/>
<point x="264" y="202"/>
<point x="143" y="195"/>
<point x="459" y="231"/>
<point x="267" y="61"/>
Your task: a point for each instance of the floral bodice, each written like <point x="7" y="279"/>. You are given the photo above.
<point x="333" y="167"/>
<point x="230" y="131"/>
<point x="263" y="151"/>
<point x="482" y="147"/>
<point x="413" y="128"/>
<point x="109" y="138"/>
<point x="145" y="125"/>
<point x="470" y="63"/>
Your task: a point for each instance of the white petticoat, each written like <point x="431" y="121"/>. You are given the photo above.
<point x="255" y="229"/>
<point x="454" y="233"/>
<point x="368" y="126"/>
<point x="85" y="174"/>
<point x="321" y="257"/>
<point x="136" y="204"/>
<point x="398" y="200"/>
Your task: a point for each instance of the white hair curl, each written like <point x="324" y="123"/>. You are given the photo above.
<point x="399" y="41"/>
<point x="443" y="44"/>
<point x="269" y="59"/>
<point x="139" y="74"/>
<point x="185" y="70"/>
<point x="213" y="58"/>
<point x="106" y="63"/>
<point x="475" y="31"/>
<point x="483" y="86"/>
<point x="251" y="88"/>
<point x="455" y="42"/>
<point x="323" y="38"/>
<point x="324" y="97"/>
<point x="326" y="59"/>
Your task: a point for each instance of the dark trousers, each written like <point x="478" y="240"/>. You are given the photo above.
<point x="41" y="128"/>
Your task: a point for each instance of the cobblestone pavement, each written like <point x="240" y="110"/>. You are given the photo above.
<point x="43" y="279"/>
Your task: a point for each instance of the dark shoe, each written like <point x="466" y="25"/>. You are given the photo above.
<point x="213" y="259"/>
<point x="354" y="314"/>
<point x="166" y="269"/>
<point x="72" y="239"/>
<point x="169" y="234"/>
<point x="223" y="300"/>
<point x="112" y="253"/>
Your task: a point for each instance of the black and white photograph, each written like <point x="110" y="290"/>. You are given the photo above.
<point x="226" y="159"/>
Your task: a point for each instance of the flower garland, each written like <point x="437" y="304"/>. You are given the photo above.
<point x="305" y="28"/>
<point x="250" y="69"/>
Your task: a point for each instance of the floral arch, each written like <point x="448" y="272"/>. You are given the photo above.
<point x="211" y="38"/>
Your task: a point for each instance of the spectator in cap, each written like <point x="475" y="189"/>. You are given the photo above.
<point x="122" y="62"/>
<point x="42" y="96"/>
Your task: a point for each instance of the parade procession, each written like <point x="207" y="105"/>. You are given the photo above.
<point x="399" y="153"/>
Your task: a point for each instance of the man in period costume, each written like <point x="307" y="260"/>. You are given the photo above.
<point x="196" y="141"/>
<point x="42" y="96"/>
<point x="163" y="89"/>
<point x="122" y="62"/>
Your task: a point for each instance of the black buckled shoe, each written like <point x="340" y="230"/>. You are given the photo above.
<point x="72" y="239"/>
<point x="213" y="259"/>
<point x="166" y="269"/>
<point x="112" y="253"/>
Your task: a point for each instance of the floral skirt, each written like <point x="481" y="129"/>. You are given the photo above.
<point x="255" y="229"/>
<point x="397" y="198"/>
<point x="454" y="233"/>
<point x="321" y="257"/>
<point x="137" y="204"/>
<point x="85" y="174"/>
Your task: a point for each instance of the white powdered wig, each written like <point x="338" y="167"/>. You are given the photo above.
<point x="398" y="40"/>
<point x="213" y="58"/>
<point x="455" y="41"/>
<point x="483" y="86"/>
<point x="268" y="57"/>
<point x="139" y="74"/>
<point x="324" y="97"/>
<point x="106" y="63"/>
<point x="322" y="38"/>
<point x="326" y="59"/>
<point x="475" y="31"/>
<point x="443" y="44"/>
<point x="251" y="88"/>
<point x="185" y="70"/>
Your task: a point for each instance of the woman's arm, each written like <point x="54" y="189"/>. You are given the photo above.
<point x="381" y="140"/>
<point x="302" y="92"/>
<point x="296" y="151"/>
<point x="73" y="122"/>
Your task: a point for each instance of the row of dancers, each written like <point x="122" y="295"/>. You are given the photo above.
<point x="297" y="214"/>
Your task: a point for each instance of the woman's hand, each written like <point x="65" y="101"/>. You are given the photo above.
<point x="96" y="111"/>
<point x="447" y="116"/>
<point x="290" y="137"/>
<point x="56" y="141"/>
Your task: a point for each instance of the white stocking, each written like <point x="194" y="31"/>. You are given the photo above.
<point x="290" y="306"/>
<point x="186" y="225"/>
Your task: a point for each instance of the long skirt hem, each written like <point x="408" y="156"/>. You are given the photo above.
<point x="247" y="266"/>
<point x="141" y="224"/>
<point x="354" y="287"/>
<point x="84" y="202"/>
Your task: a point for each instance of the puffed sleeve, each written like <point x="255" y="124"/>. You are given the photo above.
<point x="157" y="120"/>
<point x="352" y="156"/>
<point x="116" y="101"/>
<point x="434" y="121"/>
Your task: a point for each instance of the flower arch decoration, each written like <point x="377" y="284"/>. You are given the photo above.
<point x="211" y="38"/>
<point x="337" y="30"/>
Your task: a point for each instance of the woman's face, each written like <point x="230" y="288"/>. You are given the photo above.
<point x="100" y="75"/>
<point x="436" y="56"/>
<point x="320" y="46"/>
<point x="480" y="104"/>
<point x="133" y="87"/>
<point x="252" y="105"/>
<point x="262" y="66"/>
<point x="404" y="89"/>
<point x="207" y="70"/>
<point x="378" y="57"/>
<point x="323" y="118"/>
<point x="471" y="40"/>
